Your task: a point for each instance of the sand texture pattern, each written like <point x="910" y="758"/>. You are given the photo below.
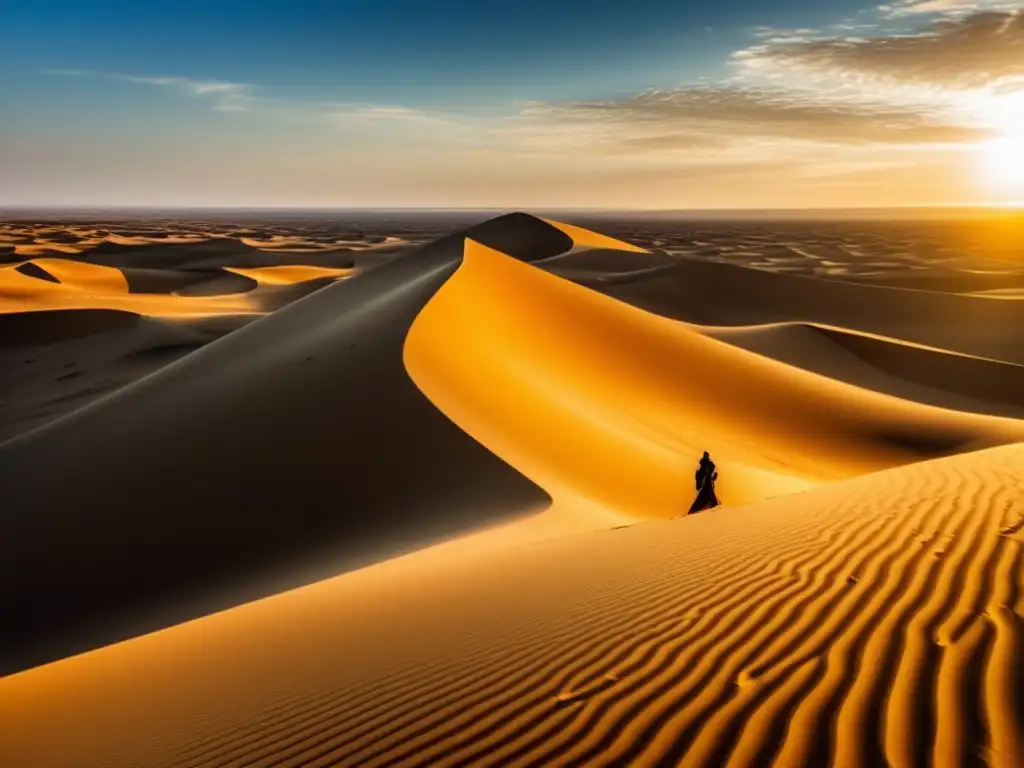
<point x="311" y="494"/>
<point x="875" y="621"/>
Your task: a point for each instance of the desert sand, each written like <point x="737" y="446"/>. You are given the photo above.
<point x="429" y="509"/>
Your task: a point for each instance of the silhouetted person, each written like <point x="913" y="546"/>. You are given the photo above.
<point x="705" y="477"/>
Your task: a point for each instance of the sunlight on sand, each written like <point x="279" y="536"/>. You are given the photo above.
<point x="96" y="287"/>
<point x="287" y="274"/>
<point x="590" y="396"/>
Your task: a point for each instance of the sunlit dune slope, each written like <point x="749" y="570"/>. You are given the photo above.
<point x="52" y="283"/>
<point x="910" y="371"/>
<point x="288" y="274"/>
<point x="584" y="238"/>
<point x="874" y="622"/>
<point x="710" y="293"/>
<point x="590" y="396"/>
<point x="293" y="448"/>
<point x="86" y="277"/>
<point x="76" y="285"/>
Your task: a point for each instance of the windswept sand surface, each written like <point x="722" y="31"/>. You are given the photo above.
<point x="876" y="621"/>
<point x="430" y="508"/>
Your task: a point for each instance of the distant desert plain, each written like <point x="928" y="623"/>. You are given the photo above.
<point x="348" y="488"/>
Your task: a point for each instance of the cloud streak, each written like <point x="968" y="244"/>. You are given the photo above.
<point x="223" y="95"/>
<point x="946" y="7"/>
<point x="978" y="50"/>
<point x="724" y="119"/>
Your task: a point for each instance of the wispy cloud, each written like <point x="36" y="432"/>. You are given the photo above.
<point x="725" y="119"/>
<point x="977" y="50"/>
<point x="224" y="96"/>
<point x="946" y="7"/>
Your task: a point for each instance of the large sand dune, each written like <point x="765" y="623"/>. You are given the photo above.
<point x="486" y="449"/>
<point x="294" y="447"/>
<point x="590" y="396"/>
<point x="876" y="621"/>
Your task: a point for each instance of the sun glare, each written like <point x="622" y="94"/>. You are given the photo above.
<point x="1004" y="162"/>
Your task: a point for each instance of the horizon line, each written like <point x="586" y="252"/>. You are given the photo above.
<point x="1000" y="207"/>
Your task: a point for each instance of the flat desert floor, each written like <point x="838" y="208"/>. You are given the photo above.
<point x="400" y="488"/>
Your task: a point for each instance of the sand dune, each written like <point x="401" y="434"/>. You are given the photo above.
<point x="189" y="464"/>
<point x="97" y="287"/>
<point x="875" y="621"/>
<point x="589" y="396"/>
<point x="910" y="371"/>
<point x="481" y="444"/>
<point x="288" y="274"/>
<point x="709" y="293"/>
<point x="52" y="363"/>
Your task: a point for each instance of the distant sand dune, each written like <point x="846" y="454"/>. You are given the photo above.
<point x="709" y="293"/>
<point x="876" y="621"/>
<point x="913" y="372"/>
<point x="93" y="287"/>
<point x="288" y="274"/>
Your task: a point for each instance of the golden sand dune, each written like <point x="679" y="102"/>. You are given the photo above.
<point x="876" y="621"/>
<point x="584" y="238"/>
<point x="589" y="396"/>
<point x="91" y="287"/>
<point x="92" y="278"/>
<point x="288" y="273"/>
<point x="874" y="617"/>
<point x="68" y="284"/>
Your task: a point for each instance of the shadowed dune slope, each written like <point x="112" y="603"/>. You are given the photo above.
<point x="52" y="363"/>
<point x="874" y="622"/>
<point x="710" y="293"/>
<point x="180" y="281"/>
<point x="31" y="269"/>
<point x="215" y="252"/>
<point x="921" y="374"/>
<point x="26" y="330"/>
<point x="291" y="449"/>
<point x="589" y="396"/>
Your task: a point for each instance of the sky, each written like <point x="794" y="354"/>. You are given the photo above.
<point x="646" y="104"/>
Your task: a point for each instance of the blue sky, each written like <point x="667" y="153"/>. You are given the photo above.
<point x="388" y="102"/>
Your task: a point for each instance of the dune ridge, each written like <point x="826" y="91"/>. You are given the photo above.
<point x="911" y="371"/>
<point x="590" y="396"/>
<point x="712" y="293"/>
<point x="187" y="465"/>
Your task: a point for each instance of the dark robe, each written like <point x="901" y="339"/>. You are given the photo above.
<point x="705" y="477"/>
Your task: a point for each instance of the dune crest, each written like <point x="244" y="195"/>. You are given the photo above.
<point x="584" y="238"/>
<point x="590" y="396"/>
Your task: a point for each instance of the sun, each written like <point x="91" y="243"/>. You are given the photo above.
<point x="1004" y="161"/>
